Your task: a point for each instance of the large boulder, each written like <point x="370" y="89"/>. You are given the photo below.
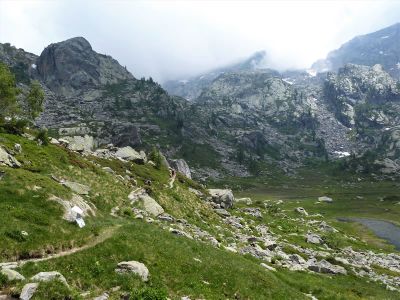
<point x="28" y="290"/>
<point x="49" y="276"/>
<point x="12" y="274"/>
<point x="301" y="211"/>
<point x="70" y="211"/>
<point x="134" y="267"/>
<point x="76" y="187"/>
<point x="150" y="205"/>
<point x="7" y="159"/>
<point x="181" y="166"/>
<point x="223" y="197"/>
<point x="79" y="143"/>
<point x="326" y="267"/>
<point x="313" y="238"/>
<point x="128" y="153"/>
<point x="325" y="199"/>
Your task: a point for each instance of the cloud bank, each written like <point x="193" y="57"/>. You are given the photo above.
<point x="176" y="39"/>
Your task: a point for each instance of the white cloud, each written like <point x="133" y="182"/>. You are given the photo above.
<point x="173" y="39"/>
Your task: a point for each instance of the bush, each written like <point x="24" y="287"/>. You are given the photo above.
<point x="43" y="137"/>
<point x="3" y="280"/>
<point x="15" y="235"/>
<point x="149" y="293"/>
<point x="54" y="290"/>
<point x="156" y="157"/>
<point x="14" y="126"/>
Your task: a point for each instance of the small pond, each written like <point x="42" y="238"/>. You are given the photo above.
<point x="383" y="229"/>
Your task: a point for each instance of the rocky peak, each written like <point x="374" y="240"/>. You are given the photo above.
<point x="70" y="66"/>
<point x="380" y="47"/>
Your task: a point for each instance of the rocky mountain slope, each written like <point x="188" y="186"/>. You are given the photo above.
<point x="242" y="119"/>
<point x="380" y="47"/>
<point x="191" y="88"/>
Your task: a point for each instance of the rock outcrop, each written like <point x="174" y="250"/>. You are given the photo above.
<point x="134" y="267"/>
<point x="222" y="197"/>
<point x="69" y="66"/>
<point x="181" y="166"/>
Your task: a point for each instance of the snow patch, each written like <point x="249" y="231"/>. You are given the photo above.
<point x="287" y="81"/>
<point x="380" y="52"/>
<point x="341" y="154"/>
<point x="312" y="72"/>
<point x="398" y="65"/>
<point x="385" y="37"/>
<point x="33" y="66"/>
<point x="184" y="81"/>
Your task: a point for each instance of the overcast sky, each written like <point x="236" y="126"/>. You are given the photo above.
<point x="176" y="39"/>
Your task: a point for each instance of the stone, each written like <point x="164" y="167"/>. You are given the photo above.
<point x="108" y="170"/>
<point x="222" y="212"/>
<point x="104" y="296"/>
<point x="54" y="141"/>
<point x="224" y="197"/>
<point x="12" y="274"/>
<point x="74" y="208"/>
<point x="313" y="238"/>
<point x="79" y="143"/>
<point x="323" y="226"/>
<point x="246" y="200"/>
<point x="166" y="217"/>
<point x="181" y="166"/>
<point x="76" y="187"/>
<point x="7" y="159"/>
<point x="28" y="290"/>
<point x="150" y="205"/>
<point x="130" y="154"/>
<point x="269" y="268"/>
<point x="18" y="148"/>
<point x="134" y="267"/>
<point x="180" y="233"/>
<point x="49" y="276"/>
<point x="325" y="199"/>
<point x="301" y="211"/>
<point x="326" y="267"/>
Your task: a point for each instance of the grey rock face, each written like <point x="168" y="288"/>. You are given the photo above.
<point x="181" y="166"/>
<point x="7" y="159"/>
<point x="133" y="267"/>
<point x="223" y="197"/>
<point x="72" y="65"/>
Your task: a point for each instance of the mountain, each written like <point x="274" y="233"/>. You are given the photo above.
<point x="244" y="120"/>
<point x="191" y="88"/>
<point x="90" y="93"/>
<point x="380" y="47"/>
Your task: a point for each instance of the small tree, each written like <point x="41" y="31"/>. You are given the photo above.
<point x="34" y="100"/>
<point x="156" y="157"/>
<point x="8" y="93"/>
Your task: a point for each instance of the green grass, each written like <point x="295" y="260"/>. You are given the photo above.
<point x="172" y="265"/>
<point x="173" y="260"/>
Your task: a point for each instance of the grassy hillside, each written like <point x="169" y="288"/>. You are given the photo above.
<point x="178" y="266"/>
